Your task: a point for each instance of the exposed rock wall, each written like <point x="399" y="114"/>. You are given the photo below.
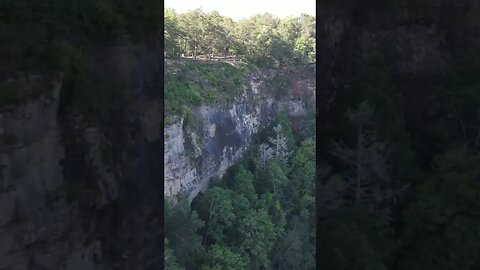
<point x="195" y="155"/>
<point x="81" y="179"/>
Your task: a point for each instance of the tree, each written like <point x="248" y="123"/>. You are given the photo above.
<point x="220" y="213"/>
<point x="229" y="41"/>
<point x="279" y="145"/>
<point x="289" y="29"/>
<point x="192" y="23"/>
<point x="258" y="235"/>
<point x="262" y="40"/>
<point x="243" y="183"/>
<point x="287" y="131"/>
<point x="278" y="178"/>
<point x="299" y="196"/>
<point x="181" y="228"/>
<point x="172" y="33"/>
<point x="265" y="153"/>
<point x="216" y="38"/>
<point x="369" y="179"/>
<point x="305" y="46"/>
<point x="274" y="207"/>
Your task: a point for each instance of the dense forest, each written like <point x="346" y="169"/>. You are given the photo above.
<point x="259" y="216"/>
<point x="263" y="40"/>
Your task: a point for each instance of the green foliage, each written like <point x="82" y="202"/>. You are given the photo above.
<point x="181" y="228"/>
<point x="301" y="199"/>
<point x="243" y="183"/>
<point x="274" y="207"/>
<point x="306" y="47"/>
<point x="262" y="40"/>
<point x="221" y="216"/>
<point x="258" y="234"/>
<point x="191" y="83"/>
<point x="222" y="257"/>
<point x="273" y="179"/>
<point x="245" y="227"/>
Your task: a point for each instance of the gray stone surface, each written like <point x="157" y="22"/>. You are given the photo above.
<point x="225" y="134"/>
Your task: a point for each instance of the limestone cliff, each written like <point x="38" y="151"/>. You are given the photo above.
<point x="194" y="156"/>
<point x="80" y="160"/>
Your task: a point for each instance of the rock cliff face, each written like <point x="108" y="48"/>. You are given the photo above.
<point x="194" y="156"/>
<point x="81" y="176"/>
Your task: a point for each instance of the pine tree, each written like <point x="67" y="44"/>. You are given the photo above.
<point x="369" y="176"/>
<point x="368" y="179"/>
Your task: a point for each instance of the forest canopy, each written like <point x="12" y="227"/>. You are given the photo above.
<point x="263" y="39"/>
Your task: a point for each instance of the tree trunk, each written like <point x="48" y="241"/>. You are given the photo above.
<point x="208" y="224"/>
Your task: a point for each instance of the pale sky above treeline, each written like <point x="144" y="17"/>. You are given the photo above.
<point x="241" y="9"/>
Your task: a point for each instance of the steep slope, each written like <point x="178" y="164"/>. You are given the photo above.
<point x="223" y="131"/>
<point x="81" y="175"/>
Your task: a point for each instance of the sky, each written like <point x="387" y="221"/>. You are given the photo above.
<point x="239" y="9"/>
